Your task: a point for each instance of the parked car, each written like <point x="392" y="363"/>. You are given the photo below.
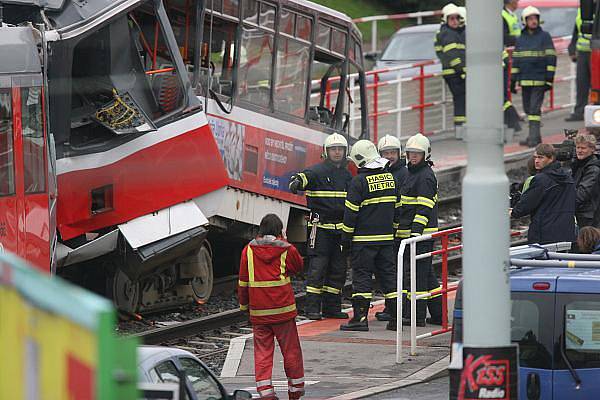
<point x="165" y="365"/>
<point x="555" y="320"/>
<point x="409" y="46"/>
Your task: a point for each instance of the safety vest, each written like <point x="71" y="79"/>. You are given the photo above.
<point x="583" y="40"/>
<point x="514" y="27"/>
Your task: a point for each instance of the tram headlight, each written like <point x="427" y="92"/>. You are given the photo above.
<point x="596" y="116"/>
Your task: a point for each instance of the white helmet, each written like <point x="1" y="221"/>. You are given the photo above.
<point x="449" y="9"/>
<point x="529" y="11"/>
<point x="363" y="152"/>
<point x="334" y="140"/>
<point x="389" y="142"/>
<point x="419" y="143"/>
<point x="462" y="11"/>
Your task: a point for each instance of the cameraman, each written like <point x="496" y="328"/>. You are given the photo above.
<point x="549" y="200"/>
<point x="586" y="173"/>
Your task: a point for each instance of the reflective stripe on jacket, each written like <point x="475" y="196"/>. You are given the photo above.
<point x="264" y="287"/>
<point x="534" y="58"/>
<point x="450" y="48"/>
<point x="419" y="195"/>
<point x="583" y="40"/>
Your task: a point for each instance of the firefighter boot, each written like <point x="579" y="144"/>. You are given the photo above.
<point x="435" y="309"/>
<point x="312" y="306"/>
<point x="383" y="315"/>
<point x="359" y="321"/>
<point x="535" y="136"/>
<point x="391" y="305"/>
<point x="421" y="313"/>
<point x="332" y="306"/>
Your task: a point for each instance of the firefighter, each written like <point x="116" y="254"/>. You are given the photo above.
<point x="266" y="292"/>
<point x="418" y="216"/>
<point x="368" y="231"/>
<point x="390" y="148"/>
<point x="325" y="187"/>
<point x="534" y="64"/>
<point x="511" y="29"/>
<point x="450" y="49"/>
<point x="580" y="51"/>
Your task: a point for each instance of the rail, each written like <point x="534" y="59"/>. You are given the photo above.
<point x="444" y="251"/>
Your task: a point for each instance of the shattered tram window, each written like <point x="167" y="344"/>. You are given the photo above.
<point x="124" y="81"/>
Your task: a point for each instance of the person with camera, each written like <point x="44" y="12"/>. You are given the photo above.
<point x="549" y="200"/>
<point x="586" y="173"/>
<point x="534" y="64"/>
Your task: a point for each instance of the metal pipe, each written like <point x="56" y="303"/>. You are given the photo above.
<point x="486" y="229"/>
<point x="554" y="263"/>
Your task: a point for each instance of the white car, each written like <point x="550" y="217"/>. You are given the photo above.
<point x="165" y="365"/>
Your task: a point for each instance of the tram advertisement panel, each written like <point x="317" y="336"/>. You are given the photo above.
<point x="262" y="161"/>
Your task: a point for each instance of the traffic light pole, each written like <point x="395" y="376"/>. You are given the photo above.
<point x="489" y="361"/>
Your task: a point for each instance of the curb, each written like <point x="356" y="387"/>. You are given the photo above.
<point x="433" y="371"/>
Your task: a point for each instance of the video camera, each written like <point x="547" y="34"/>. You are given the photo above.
<point x="565" y="151"/>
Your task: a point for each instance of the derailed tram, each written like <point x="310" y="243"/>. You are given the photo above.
<point x="151" y="139"/>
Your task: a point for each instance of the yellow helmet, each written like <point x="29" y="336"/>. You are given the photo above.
<point x="363" y="152"/>
<point x="529" y="11"/>
<point x="334" y="140"/>
<point x="389" y="142"/>
<point x="419" y="143"/>
<point x="449" y="9"/>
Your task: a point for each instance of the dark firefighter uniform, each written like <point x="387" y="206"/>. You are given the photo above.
<point x="581" y="48"/>
<point x="511" y="31"/>
<point x="325" y="188"/>
<point x="534" y="64"/>
<point x="450" y="49"/>
<point x="369" y="227"/>
<point x="419" y="215"/>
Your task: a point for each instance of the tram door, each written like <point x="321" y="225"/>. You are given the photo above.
<point x="24" y="201"/>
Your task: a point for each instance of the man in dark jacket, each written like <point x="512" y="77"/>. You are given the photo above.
<point x="450" y="49"/>
<point x="586" y="172"/>
<point x="325" y="186"/>
<point x="390" y="148"/>
<point x="368" y="230"/>
<point x="418" y="215"/>
<point x="549" y="200"/>
<point x="534" y="64"/>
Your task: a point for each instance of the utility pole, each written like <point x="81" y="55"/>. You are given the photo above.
<point x="486" y="225"/>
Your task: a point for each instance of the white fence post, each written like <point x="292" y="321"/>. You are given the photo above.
<point x="374" y="36"/>
<point x="413" y="299"/>
<point x="399" y="302"/>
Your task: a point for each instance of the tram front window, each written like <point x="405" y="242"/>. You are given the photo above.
<point x="123" y="82"/>
<point x="7" y="172"/>
<point x="327" y="70"/>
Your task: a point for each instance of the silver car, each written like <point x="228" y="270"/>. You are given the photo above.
<point x="165" y="365"/>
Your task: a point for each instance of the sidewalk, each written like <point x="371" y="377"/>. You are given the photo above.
<point x="346" y="365"/>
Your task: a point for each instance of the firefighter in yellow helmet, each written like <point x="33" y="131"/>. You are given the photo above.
<point x="450" y="48"/>
<point x="419" y="215"/>
<point x="534" y="64"/>
<point x="325" y="187"/>
<point x="511" y="30"/>
<point x="580" y="51"/>
<point x="368" y="231"/>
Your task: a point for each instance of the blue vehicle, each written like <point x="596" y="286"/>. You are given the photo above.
<point x="555" y="320"/>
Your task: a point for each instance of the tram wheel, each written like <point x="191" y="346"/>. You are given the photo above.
<point x="125" y="293"/>
<point x="202" y="282"/>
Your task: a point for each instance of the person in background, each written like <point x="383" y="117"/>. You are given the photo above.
<point x="588" y="240"/>
<point x="586" y="173"/>
<point x="511" y="29"/>
<point x="450" y="48"/>
<point x="580" y="51"/>
<point x="266" y="292"/>
<point x="549" y="200"/>
<point x="534" y="65"/>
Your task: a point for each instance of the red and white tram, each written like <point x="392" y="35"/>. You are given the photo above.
<point x="159" y="121"/>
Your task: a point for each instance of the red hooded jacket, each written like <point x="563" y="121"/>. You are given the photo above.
<point x="264" y="281"/>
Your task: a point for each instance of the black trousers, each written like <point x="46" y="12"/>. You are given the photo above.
<point x="511" y="117"/>
<point x="533" y="98"/>
<point x="583" y="81"/>
<point x="368" y="260"/>
<point x="426" y="281"/>
<point x="457" y="86"/>
<point x="326" y="268"/>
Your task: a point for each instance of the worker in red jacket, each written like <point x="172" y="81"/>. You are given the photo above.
<point x="266" y="292"/>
